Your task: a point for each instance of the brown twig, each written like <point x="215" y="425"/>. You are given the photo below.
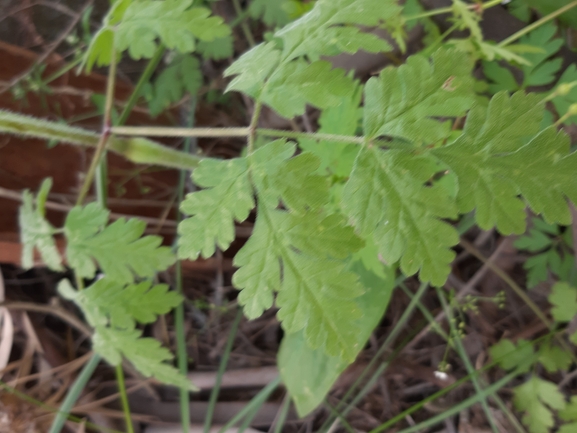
<point x="54" y="5"/>
<point x="50" y="309"/>
<point x="63" y="35"/>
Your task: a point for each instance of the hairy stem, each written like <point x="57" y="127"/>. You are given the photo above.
<point x="101" y="146"/>
<point x="138" y="150"/>
<point x="253" y="125"/>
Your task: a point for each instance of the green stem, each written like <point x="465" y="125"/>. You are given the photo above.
<point x="231" y="132"/>
<point x="243" y="24"/>
<point x="221" y="368"/>
<point x="144" y="77"/>
<point x="311" y="136"/>
<point x="62" y="70"/>
<point x="153" y="131"/>
<point x="399" y="326"/>
<point x="279" y="422"/>
<point x="537" y="23"/>
<point x="463" y="354"/>
<point x="138" y="150"/>
<point x="253" y="125"/>
<point x="256" y="402"/>
<point x="449" y="9"/>
<point x="101" y="146"/>
<point x="181" y="352"/>
<point x="452" y="411"/>
<point x="124" y="398"/>
<point x="74" y="393"/>
<point x="239" y="18"/>
<point x="519" y="292"/>
<point x="25" y="397"/>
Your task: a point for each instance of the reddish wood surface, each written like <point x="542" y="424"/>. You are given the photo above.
<point x="24" y="163"/>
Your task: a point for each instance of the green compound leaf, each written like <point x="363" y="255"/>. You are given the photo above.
<point x="272" y="12"/>
<point x="511" y="356"/>
<point x="108" y="302"/>
<point x="494" y="166"/>
<point x="118" y="248"/>
<point x="535" y="241"/>
<point x="278" y="176"/>
<point x="300" y="83"/>
<point x="217" y="49"/>
<point x="253" y="68"/>
<point x="387" y="199"/>
<point x="535" y="398"/>
<point x="569" y="413"/>
<point x="539" y="71"/>
<point x="146" y="354"/>
<point x="500" y="78"/>
<point x="554" y="358"/>
<point x="172" y="21"/>
<point x="102" y="45"/>
<point x="309" y="373"/>
<point x="278" y="74"/>
<point x="327" y="28"/>
<point x="337" y="157"/>
<point x="402" y="100"/>
<point x="182" y="75"/>
<point x="228" y="196"/>
<point x="136" y="25"/>
<point x="316" y="292"/>
<point x="563" y="297"/>
<point x="36" y="232"/>
<point x="259" y="273"/>
<point x="553" y="257"/>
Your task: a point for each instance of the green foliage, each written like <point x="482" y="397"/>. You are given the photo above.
<point x="277" y="72"/>
<point x="36" y="232"/>
<point x="569" y="414"/>
<point x="136" y="25"/>
<point x="414" y="7"/>
<point x="272" y="12"/>
<point x="511" y="356"/>
<point x="315" y="290"/>
<point x="467" y="18"/>
<point x="228" y="197"/>
<point x="564" y="101"/>
<point x="541" y="69"/>
<point x="387" y="190"/>
<point x="563" y="297"/>
<point x="146" y="354"/>
<point x="488" y="156"/>
<point x="182" y="75"/>
<point x="310" y="373"/>
<point x="554" y="358"/>
<point x="217" y="49"/>
<point x="536" y="398"/>
<point x="386" y="198"/>
<point x="553" y="252"/>
<point x="113" y="304"/>
<point x="118" y="248"/>
<point x="106" y="302"/>
<point x="403" y="101"/>
<point x="548" y="6"/>
<point x="113" y="308"/>
<point x="337" y="158"/>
